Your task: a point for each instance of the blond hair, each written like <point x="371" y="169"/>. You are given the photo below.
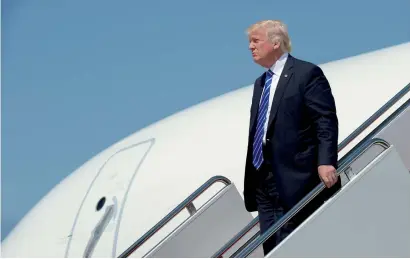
<point x="276" y="31"/>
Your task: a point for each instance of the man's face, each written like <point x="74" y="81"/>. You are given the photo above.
<point x="263" y="51"/>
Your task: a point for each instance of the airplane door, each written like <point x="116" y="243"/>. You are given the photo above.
<point x="95" y="228"/>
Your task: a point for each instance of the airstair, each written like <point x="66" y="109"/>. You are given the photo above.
<point x="368" y="217"/>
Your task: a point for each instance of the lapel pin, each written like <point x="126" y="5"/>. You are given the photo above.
<point x="286" y="75"/>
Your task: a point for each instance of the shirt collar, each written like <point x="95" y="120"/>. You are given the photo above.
<point x="279" y="64"/>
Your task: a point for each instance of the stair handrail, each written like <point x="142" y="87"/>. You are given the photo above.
<point x="374" y="117"/>
<point x="187" y="203"/>
<point x="346" y="161"/>
<point x="341" y="146"/>
<point x="309" y="197"/>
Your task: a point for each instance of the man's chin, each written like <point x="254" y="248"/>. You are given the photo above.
<point x="257" y="61"/>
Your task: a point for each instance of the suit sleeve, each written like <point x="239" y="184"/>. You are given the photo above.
<point x="321" y="108"/>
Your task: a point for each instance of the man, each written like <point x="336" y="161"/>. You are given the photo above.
<point x="293" y="134"/>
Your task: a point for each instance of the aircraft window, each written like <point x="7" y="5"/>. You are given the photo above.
<point x="100" y="203"/>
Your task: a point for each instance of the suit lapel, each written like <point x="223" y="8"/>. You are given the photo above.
<point x="280" y="89"/>
<point x="257" y="92"/>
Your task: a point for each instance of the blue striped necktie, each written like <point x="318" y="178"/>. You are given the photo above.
<point x="260" y="128"/>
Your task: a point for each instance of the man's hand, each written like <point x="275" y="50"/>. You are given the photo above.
<point x="328" y="175"/>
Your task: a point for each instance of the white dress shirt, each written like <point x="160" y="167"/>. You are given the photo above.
<point x="277" y="71"/>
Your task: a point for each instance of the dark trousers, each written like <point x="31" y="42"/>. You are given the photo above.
<point x="270" y="209"/>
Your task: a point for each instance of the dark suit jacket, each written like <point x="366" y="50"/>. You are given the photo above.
<point x="302" y="133"/>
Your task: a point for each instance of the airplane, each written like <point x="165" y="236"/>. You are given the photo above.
<point x="117" y="196"/>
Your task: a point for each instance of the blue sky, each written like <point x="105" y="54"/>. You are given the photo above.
<point x="77" y="76"/>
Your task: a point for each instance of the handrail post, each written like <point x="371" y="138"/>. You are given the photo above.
<point x="191" y="208"/>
